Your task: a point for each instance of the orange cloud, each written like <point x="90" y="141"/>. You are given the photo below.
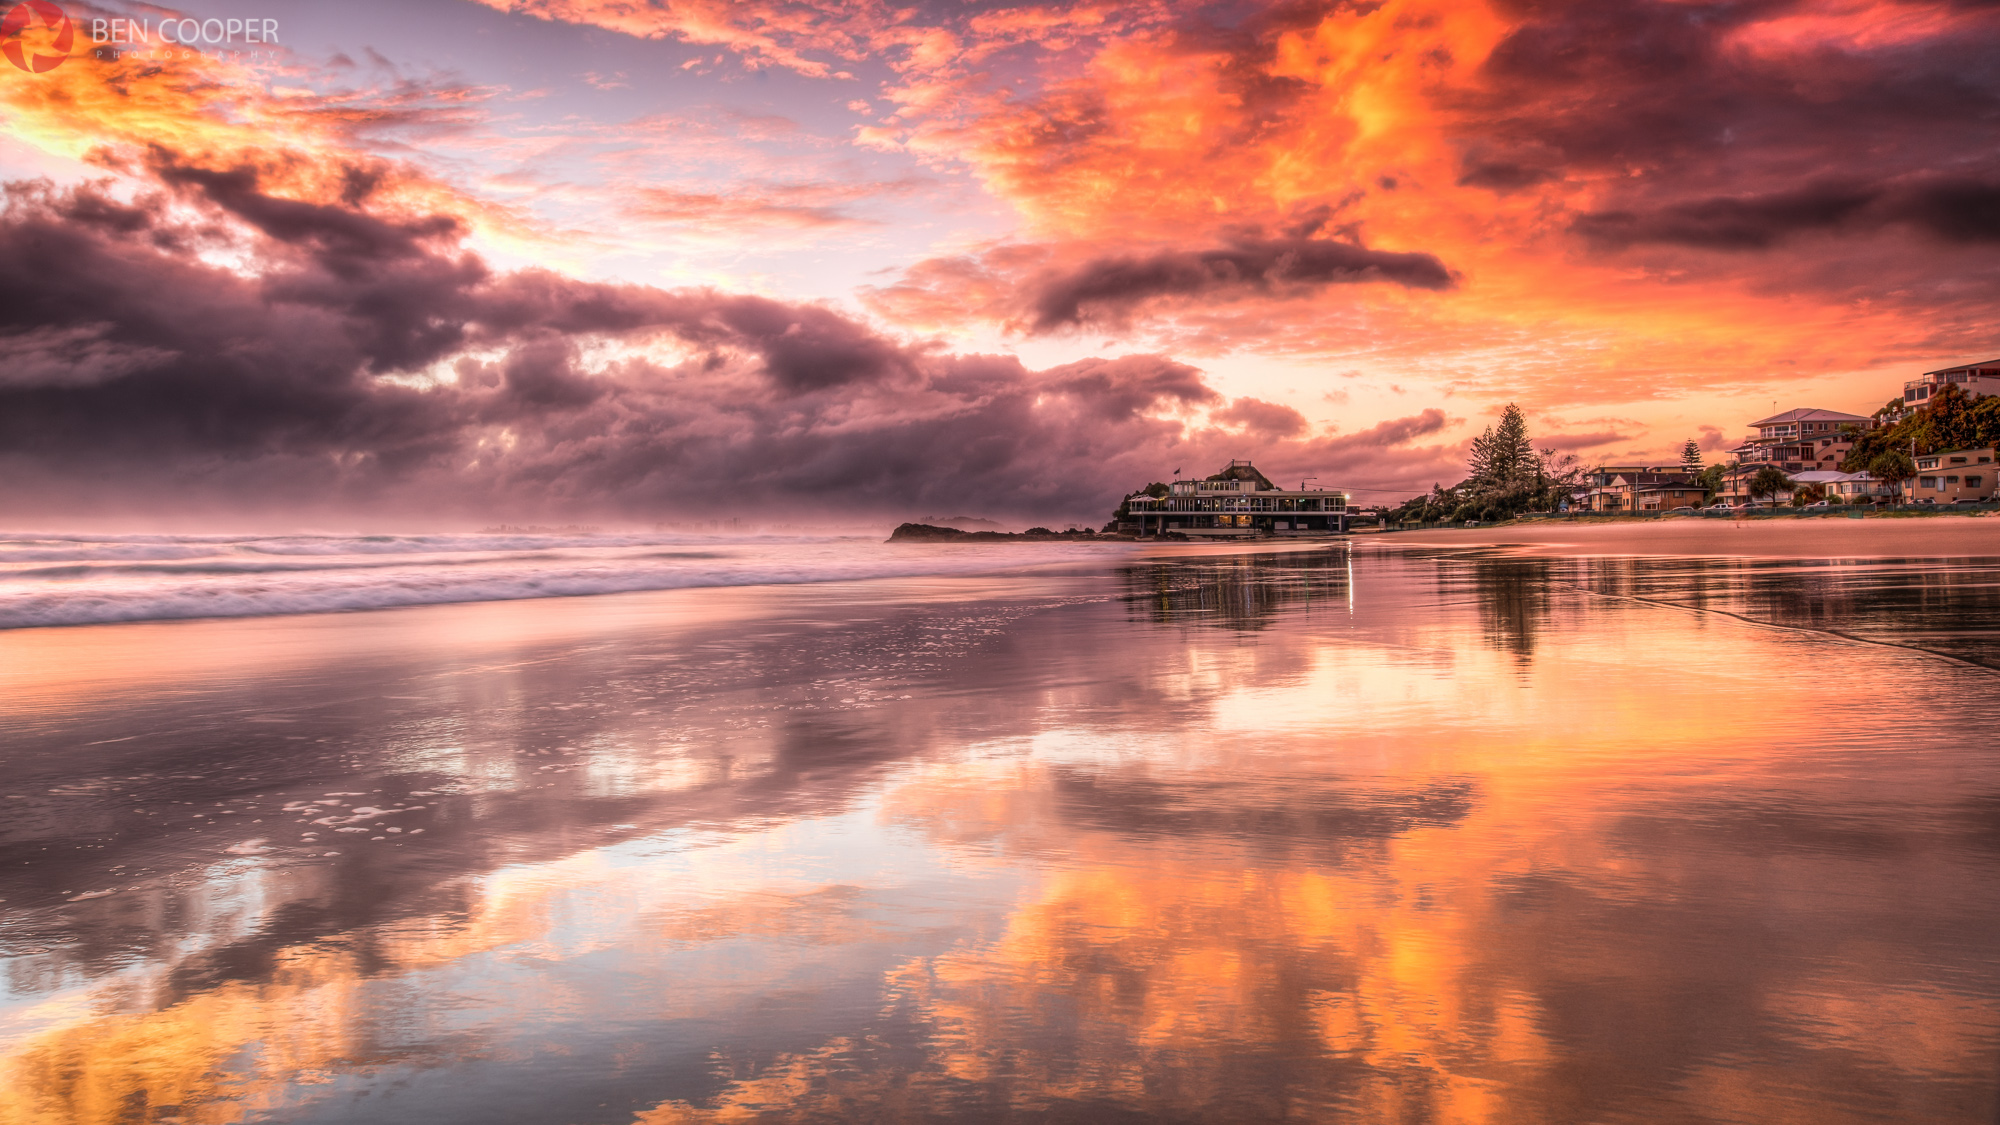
<point x="1493" y="143"/>
<point x="1565" y="204"/>
<point x="215" y="113"/>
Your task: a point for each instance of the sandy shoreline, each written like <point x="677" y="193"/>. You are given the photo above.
<point x="1931" y="537"/>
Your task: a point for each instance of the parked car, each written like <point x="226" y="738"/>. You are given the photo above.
<point x="1820" y="504"/>
<point x="1722" y="507"/>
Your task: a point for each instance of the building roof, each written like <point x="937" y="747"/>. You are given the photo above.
<point x="1968" y="449"/>
<point x="1244" y="470"/>
<point x="1820" y="476"/>
<point x="1965" y="367"/>
<point x="1808" y="414"/>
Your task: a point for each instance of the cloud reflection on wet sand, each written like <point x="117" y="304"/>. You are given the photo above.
<point x="1196" y="841"/>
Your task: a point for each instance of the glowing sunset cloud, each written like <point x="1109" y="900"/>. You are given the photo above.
<point x="1321" y="223"/>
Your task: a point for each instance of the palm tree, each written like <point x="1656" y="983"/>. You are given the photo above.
<point x="1769" y="482"/>
<point x="1892" y="467"/>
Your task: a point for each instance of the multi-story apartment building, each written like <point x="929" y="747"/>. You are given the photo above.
<point x="1953" y="474"/>
<point x="1975" y="379"/>
<point x="1803" y="440"/>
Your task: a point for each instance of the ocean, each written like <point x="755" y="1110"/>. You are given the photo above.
<point x="55" y="579"/>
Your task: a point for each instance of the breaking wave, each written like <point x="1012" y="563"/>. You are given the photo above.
<point x="52" y="580"/>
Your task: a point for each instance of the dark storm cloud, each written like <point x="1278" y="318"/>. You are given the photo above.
<point x="1110" y="287"/>
<point x="1952" y="209"/>
<point x="343" y="238"/>
<point x="1729" y="223"/>
<point x="235" y="369"/>
<point x="1709" y="132"/>
<point x="1503" y="175"/>
<point x="1589" y="85"/>
<point x="368" y="361"/>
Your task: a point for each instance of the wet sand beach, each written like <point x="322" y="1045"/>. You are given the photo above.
<point x="1417" y="828"/>
<point x="1817" y="537"/>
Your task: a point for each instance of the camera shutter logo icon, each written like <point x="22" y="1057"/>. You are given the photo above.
<point x="19" y="18"/>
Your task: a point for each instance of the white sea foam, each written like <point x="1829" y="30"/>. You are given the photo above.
<point x="48" y="580"/>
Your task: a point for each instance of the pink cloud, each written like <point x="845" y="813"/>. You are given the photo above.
<point x="370" y="361"/>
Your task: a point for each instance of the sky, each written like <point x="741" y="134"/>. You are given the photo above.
<point x="651" y="259"/>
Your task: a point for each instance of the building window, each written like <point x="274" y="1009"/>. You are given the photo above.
<point x="1927" y="482"/>
<point x="1951" y="480"/>
<point x="1973" y="482"/>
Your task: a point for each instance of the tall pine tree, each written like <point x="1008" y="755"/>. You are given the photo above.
<point x="1506" y="473"/>
<point x="1503" y="458"/>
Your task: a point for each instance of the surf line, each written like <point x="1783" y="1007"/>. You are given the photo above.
<point x="1988" y="669"/>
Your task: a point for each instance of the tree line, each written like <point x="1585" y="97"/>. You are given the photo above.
<point x="1507" y="476"/>
<point x="1951" y="419"/>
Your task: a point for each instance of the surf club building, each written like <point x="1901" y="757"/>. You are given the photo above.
<point x="1238" y="503"/>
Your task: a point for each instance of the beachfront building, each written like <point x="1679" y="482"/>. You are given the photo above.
<point x="1239" y="503"/>
<point x="1735" y="490"/>
<point x="1954" y="474"/>
<point x="1603" y="490"/>
<point x="1602" y="475"/>
<point x="1850" y="487"/>
<point x="1665" y="496"/>
<point x="1803" y="440"/>
<point x="1975" y="379"/>
<point x="1859" y="488"/>
<point x="1628" y="488"/>
<point x="1823" y="479"/>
